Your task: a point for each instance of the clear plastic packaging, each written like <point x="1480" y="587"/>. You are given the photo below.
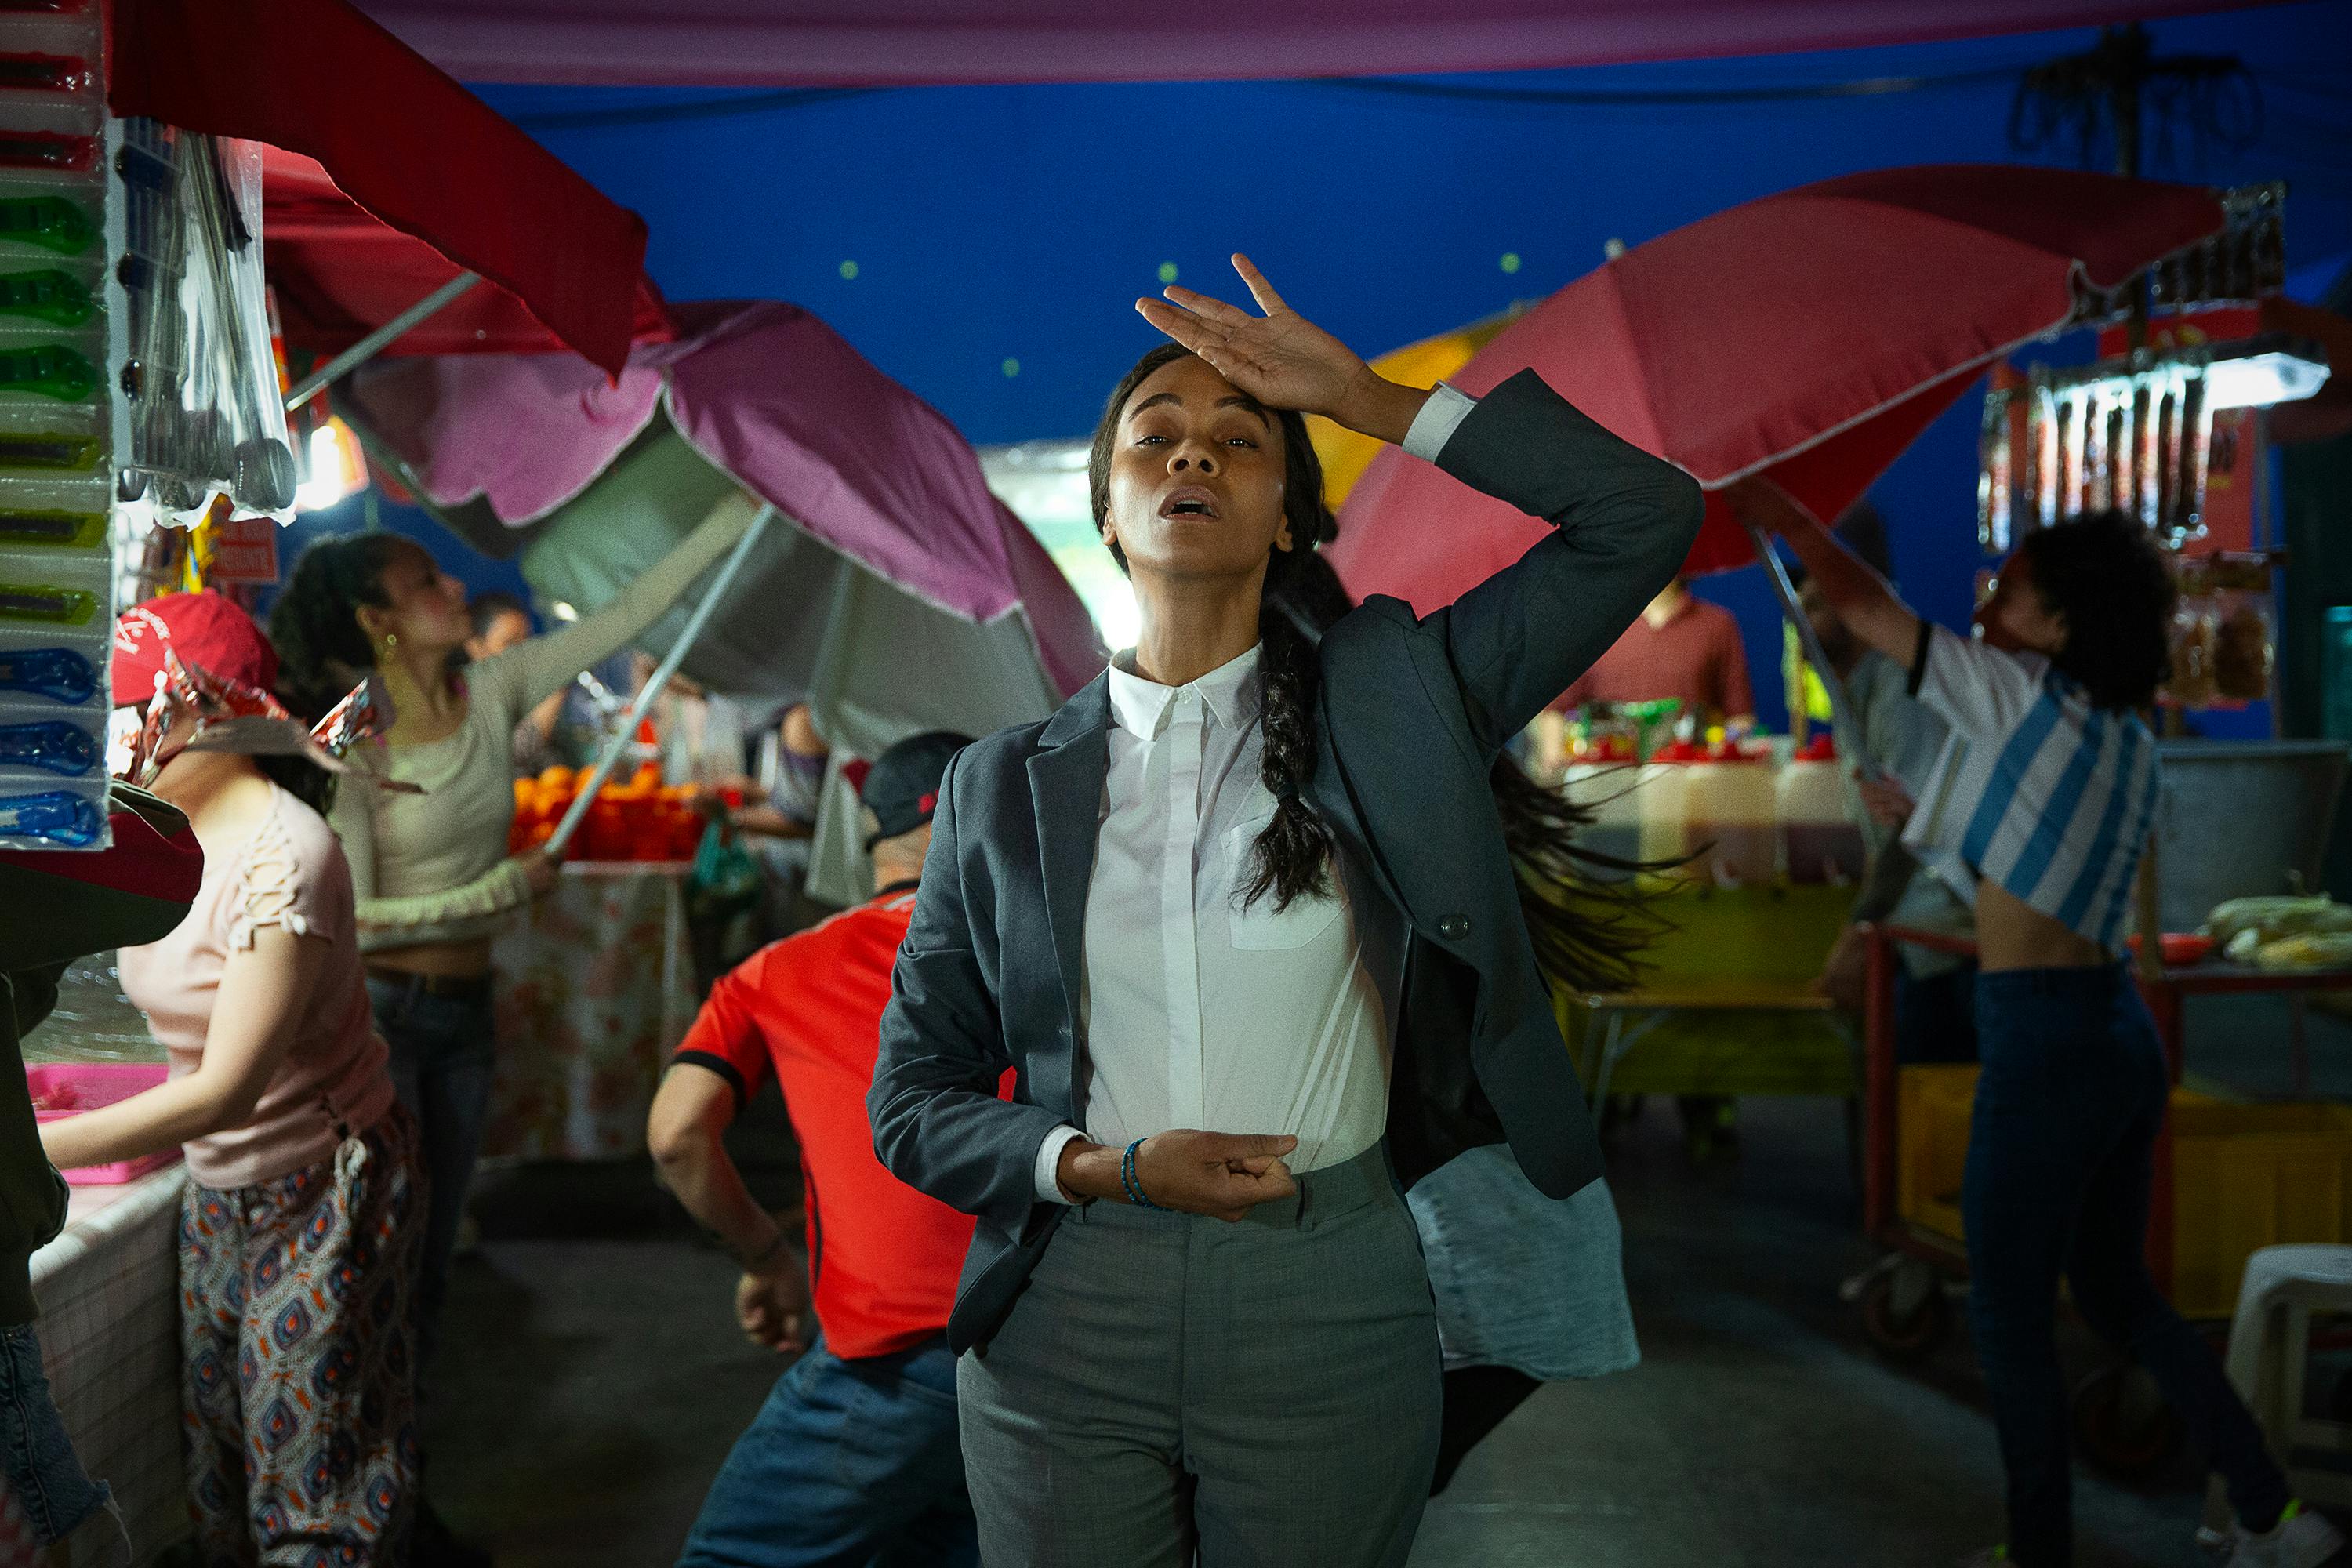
<point x="63" y="672"/>
<point x="39" y="742"/>
<point x="205" y="415"/>
<point x="62" y="341"/>
<point x="2223" y="641"/>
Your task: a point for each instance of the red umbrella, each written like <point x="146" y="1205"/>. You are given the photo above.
<point x="1811" y="335"/>
<point x="340" y="274"/>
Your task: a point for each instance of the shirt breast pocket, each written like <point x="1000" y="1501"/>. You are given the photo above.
<point x="1261" y="927"/>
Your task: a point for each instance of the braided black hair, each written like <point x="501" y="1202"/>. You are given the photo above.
<point x="322" y="652"/>
<point x="1292" y="856"/>
<point x="1587" y="915"/>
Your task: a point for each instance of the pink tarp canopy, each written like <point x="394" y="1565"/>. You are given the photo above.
<point x="908" y="42"/>
<point x="777" y="400"/>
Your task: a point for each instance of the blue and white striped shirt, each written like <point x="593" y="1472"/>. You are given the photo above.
<point x="2038" y="792"/>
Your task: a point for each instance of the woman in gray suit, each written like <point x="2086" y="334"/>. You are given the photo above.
<point x="1242" y="921"/>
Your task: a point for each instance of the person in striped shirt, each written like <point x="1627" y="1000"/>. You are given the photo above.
<point x="2043" y="798"/>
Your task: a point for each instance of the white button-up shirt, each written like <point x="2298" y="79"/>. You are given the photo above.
<point x="1195" y="1011"/>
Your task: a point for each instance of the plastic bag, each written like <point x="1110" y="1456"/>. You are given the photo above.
<point x="206" y="414"/>
<point x="726" y="875"/>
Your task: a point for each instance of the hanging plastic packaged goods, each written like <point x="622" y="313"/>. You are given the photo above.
<point x="63" y="340"/>
<point x="206" y="415"/>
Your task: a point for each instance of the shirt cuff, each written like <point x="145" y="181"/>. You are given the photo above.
<point x="1049" y="1163"/>
<point x="1438" y="420"/>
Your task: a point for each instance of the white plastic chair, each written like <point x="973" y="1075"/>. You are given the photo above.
<point x="2270" y="1342"/>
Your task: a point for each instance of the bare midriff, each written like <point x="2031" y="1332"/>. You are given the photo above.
<point x="2012" y="934"/>
<point x="442" y="960"/>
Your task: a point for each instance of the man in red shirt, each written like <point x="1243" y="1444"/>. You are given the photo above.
<point x="855" y="1456"/>
<point x="1680" y="647"/>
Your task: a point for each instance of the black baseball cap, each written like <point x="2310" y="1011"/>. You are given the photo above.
<point x="902" y="787"/>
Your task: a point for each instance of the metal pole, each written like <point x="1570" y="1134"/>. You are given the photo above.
<point x="1845" y="723"/>
<point x="377" y="342"/>
<point x="654" y="684"/>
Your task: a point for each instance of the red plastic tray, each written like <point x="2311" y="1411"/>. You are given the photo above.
<point x="68" y="1088"/>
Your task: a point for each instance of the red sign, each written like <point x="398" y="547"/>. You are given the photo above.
<point x="245" y="549"/>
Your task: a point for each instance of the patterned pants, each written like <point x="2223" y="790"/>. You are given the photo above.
<point x="299" y="1358"/>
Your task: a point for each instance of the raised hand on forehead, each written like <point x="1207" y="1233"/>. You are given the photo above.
<point x="1280" y="358"/>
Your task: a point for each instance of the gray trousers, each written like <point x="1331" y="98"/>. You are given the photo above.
<point x="1167" y="1385"/>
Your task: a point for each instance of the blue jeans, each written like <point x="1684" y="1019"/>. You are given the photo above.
<point x="443" y="1057"/>
<point x="850" y="1463"/>
<point x="2071" y="1097"/>
<point x="50" y="1485"/>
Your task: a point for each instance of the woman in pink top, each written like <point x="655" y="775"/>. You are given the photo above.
<point x="304" y="1214"/>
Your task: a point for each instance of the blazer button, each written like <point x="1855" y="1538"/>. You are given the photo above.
<point x="1453" y="928"/>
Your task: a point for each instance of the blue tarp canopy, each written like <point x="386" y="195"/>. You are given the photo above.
<point x="983" y="244"/>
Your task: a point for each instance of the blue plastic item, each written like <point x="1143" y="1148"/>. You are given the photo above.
<point x="60" y="817"/>
<point x="50" y="744"/>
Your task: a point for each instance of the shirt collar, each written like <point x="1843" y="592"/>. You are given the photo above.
<point x="1230" y="693"/>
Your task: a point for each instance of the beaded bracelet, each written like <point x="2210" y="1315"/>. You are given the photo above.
<point x="1126" y="1178"/>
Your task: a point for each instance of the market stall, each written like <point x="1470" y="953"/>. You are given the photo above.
<point x="2231" y="1177"/>
<point x="899" y="595"/>
<point x="595" y="989"/>
<point x="1715" y="346"/>
<point x="160" y="246"/>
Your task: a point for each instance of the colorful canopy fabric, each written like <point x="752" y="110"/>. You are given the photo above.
<point x="412" y="152"/>
<point x="340" y="274"/>
<point x="1811" y="334"/>
<point x="825" y="43"/>
<point x="773" y="399"/>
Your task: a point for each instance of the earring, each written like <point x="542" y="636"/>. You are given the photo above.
<point x="390" y="641"/>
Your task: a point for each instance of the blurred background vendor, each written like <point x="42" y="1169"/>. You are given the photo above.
<point x="1680" y="648"/>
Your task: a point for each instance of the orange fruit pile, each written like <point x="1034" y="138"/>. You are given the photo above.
<point x="640" y="819"/>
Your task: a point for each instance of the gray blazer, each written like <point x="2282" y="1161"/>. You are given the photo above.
<point x="1412" y="716"/>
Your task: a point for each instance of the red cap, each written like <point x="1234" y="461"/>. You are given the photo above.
<point x="204" y="629"/>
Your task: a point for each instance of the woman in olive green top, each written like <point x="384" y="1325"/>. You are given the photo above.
<point x="431" y="870"/>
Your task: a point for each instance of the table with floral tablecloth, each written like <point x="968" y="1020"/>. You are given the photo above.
<point x="595" y="989"/>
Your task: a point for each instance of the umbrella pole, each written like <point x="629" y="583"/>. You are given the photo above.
<point x="377" y="342"/>
<point x="1845" y="723"/>
<point x="654" y="684"/>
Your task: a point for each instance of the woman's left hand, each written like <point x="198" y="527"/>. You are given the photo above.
<point x="1281" y="358"/>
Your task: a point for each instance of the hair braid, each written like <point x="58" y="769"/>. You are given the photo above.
<point x="1292" y="854"/>
<point x="1587" y="917"/>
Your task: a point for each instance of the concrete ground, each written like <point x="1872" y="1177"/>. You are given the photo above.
<point x="592" y="1378"/>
